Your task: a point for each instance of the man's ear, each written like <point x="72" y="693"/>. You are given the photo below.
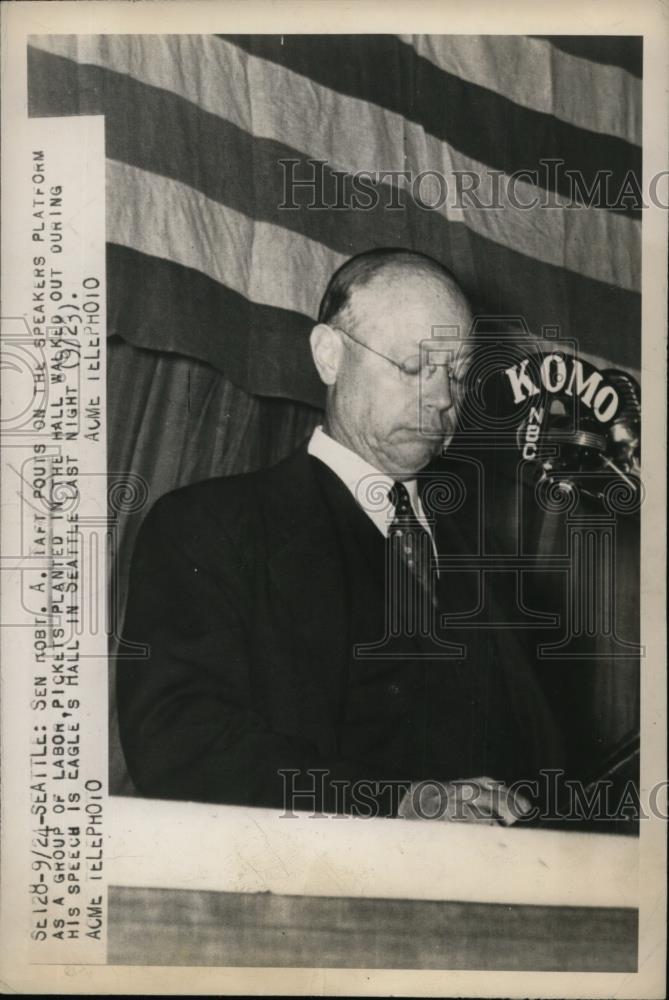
<point x="326" y="350"/>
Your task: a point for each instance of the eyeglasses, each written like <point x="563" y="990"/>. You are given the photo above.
<point x="417" y="364"/>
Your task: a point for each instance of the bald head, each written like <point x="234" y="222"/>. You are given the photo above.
<point x="366" y="280"/>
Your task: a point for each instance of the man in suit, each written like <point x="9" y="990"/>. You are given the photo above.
<point x="297" y="649"/>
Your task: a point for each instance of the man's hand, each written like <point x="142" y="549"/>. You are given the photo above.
<point x="473" y="800"/>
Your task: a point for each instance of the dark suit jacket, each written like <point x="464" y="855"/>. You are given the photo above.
<point x="238" y="587"/>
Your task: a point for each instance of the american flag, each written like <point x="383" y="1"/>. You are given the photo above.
<point x="206" y="133"/>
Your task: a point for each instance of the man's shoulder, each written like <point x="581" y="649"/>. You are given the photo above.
<point x="238" y="497"/>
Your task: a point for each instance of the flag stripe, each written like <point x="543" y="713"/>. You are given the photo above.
<point x="156" y="215"/>
<point x="623" y="51"/>
<point x="532" y="72"/>
<point x="138" y="115"/>
<point x="514" y="138"/>
<point x="527" y="71"/>
<point x="260" y="348"/>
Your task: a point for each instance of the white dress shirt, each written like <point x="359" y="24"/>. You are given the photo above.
<point x="369" y="486"/>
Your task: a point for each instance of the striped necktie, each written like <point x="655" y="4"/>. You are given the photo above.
<point x="412" y="557"/>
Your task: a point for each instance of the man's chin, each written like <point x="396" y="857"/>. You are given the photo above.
<point x="411" y="457"/>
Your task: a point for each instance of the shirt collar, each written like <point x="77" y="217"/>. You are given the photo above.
<point x="368" y="485"/>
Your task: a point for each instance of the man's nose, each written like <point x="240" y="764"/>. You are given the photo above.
<point x="436" y="407"/>
<point x="437" y="391"/>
